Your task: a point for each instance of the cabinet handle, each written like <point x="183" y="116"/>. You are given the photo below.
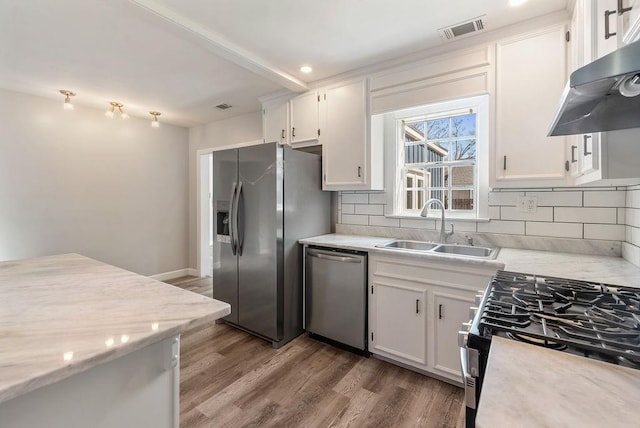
<point x="440" y="311"/>
<point x="573" y="154"/>
<point x="585" y="152"/>
<point x="293" y="131"/>
<point x="504" y="163"/>
<point x="282" y="134"/>
<point x="621" y="9"/>
<point x="359" y="171"/>
<point x="607" y="14"/>
<point x="417" y="306"/>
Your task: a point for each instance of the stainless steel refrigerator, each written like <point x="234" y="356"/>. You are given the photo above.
<point x="265" y="198"/>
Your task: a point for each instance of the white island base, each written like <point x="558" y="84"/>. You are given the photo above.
<point x="140" y="389"/>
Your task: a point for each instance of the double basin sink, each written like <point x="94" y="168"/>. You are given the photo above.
<point x="449" y="249"/>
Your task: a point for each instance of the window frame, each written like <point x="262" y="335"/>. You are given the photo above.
<point x="480" y="106"/>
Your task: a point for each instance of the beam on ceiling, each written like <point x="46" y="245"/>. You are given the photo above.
<point x="222" y="47"/>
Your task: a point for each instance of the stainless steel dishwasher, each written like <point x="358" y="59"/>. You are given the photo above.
<point x="335" y="289"/>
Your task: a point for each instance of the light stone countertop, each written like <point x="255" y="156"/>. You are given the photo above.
<point x="606" y="269"/>
<point x="531" y="386"/>
<point x="70" y="305"/>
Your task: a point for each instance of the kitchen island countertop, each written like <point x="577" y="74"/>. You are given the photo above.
<point x="64" y="314"/>
<point x="606" y="269"/>
<point x="531" y="386"/>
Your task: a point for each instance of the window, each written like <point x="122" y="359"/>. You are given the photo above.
<point x="438" y="147"/>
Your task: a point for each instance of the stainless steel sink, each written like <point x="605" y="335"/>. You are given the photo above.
<point x="410" y="245"/>
<point x="448" y="249"/>
<point x="466" y="250"/>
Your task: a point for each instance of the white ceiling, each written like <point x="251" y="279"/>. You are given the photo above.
<point x="183" y="57"/>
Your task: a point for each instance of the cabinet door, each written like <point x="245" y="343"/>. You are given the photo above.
<point x="399" y="322"/>
<point x="345" y="135"/>
<point x="531" y="74"/>
<point x="274" y="122"/>
<point x="304" y="118"/>
<point x="588" y="152"/>
<point x="605" y="36"/>
<point x="450" y="311"/>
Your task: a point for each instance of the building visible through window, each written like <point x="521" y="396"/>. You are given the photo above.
<point x="439" y="154"/>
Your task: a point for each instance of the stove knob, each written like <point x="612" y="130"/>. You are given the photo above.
<point x="473" y="311"/>
<point x="463" y="337"/>
<point x="478" y="299"/>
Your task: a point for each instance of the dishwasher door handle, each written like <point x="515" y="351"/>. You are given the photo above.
<point x="332" y="257"/>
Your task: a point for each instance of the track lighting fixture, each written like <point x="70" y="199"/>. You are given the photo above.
<point x="115" y="106"/>
<point x="67" y="98"/>
<point x="154" y="122"/>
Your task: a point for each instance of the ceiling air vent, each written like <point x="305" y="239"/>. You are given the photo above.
<point x="223" y="106"/>
<point x="463" y="28"/>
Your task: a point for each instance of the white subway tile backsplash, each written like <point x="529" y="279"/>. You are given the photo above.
<point x="504" y="198"/>
<point x="499" y="226"/>
<point x="348" y="209"/>
<point x="355" y="198"/>
<point x="633" y="199"/>
<point x="611" y="232"/>
<point x="377" y="198"/>
<point x="512" y="213"/>
<point x="378" y="220"/>
<point x="585" y="215"/>
<point x="556" y="230"/>
<point x="622" y="215"/>
<point x="355" y="219"/>
<point x="631" y="253"/>
<point x="370" y="209"/>
<point x="600" y="198"/>
<point x="635" y="236"/>
<point x="459" y="226"/>
<point x="632" y="217"/>
<point x="418" y="223"/>
<point x="558" y="199"/>
<point x="597" y="213"/>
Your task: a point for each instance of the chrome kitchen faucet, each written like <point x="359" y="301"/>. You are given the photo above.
<point x="444" y="235"/>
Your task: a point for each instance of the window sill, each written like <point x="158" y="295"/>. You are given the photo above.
<point x="437" y="218"/>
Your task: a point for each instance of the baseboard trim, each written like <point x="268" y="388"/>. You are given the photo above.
<point x="192" y="272"/>
<point x="165" y="276"/>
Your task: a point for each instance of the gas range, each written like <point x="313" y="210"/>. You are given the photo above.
<point x="586" y="318"/>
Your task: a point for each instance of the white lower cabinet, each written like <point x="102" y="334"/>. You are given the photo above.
<point x="416" y="308"/>
<point x="451" y="310"/>
<point x="400" y="322"/>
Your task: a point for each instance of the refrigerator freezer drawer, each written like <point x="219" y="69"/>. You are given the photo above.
<point x="335" y="294"/>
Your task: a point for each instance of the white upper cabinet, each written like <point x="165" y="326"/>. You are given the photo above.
<point x="304" y="118"/>
<point x="530" y="78"/>
<point x="275" y="121"/>
<point x="605" y="36"/>
<point x="351" y="159"/>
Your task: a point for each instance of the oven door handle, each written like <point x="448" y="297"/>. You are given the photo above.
<point x="468" y="380"/>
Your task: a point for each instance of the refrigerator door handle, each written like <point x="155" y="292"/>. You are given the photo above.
<point x="232" y="222"/>
<point x="236" y="209"/>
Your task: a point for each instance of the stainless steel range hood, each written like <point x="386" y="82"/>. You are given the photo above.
<point x="602" y="96"/>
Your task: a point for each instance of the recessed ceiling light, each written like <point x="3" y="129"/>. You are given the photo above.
<point x="306" y="69"/>
<point x="514" y="3"/>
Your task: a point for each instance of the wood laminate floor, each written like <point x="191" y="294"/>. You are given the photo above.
<point x="232" y="379"/>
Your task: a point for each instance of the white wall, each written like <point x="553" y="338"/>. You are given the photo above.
<point x="76" y="181"/>
<point x="226" y="132"/>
